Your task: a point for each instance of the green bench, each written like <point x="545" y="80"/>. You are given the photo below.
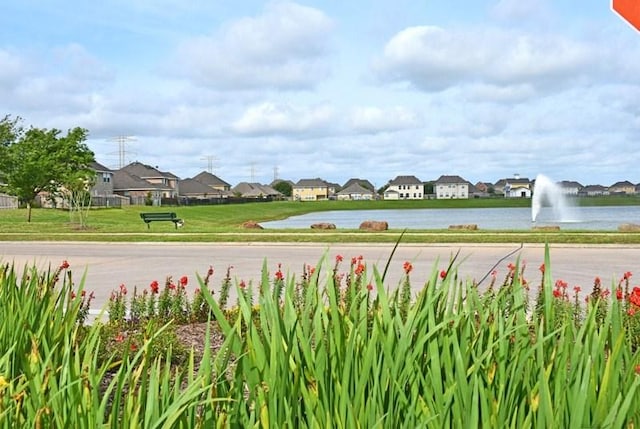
<point x="159" y="217"/>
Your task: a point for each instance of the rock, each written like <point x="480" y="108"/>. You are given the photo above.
<point x="323" y="225"/>
<point x="547" y="228"/>
<point x="629" y="227"/>
<point x="374" y="225"/>
<point x="470" y="227"/>
<point x="251" y="225"/>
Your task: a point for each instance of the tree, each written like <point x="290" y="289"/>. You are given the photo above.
<point x="284" y="187"/>
<point x="41" y="160"/>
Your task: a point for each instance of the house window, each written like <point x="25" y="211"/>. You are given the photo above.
<point x="106" y="178"/>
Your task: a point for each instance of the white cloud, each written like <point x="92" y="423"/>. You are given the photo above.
<point x="369" y="119"/>
<point x="269" y="118"/>
<point x="284" y="48"/>
<point x="433" y="58"/>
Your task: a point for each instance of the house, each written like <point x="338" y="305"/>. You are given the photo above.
<point x="514" y="187"/>
<point x="103" y="186"/>
<point x="8" y="201"/>
<point x="362" y="182"/>
<point x="256" y="191"/>
<point x="138" y="190"/>
<point x="404" y="188"/>
<point x="194" y="189"/>
<point x="593" y="191"/>
<point x="312" y="190"/>
<point x="213" y="181"/>
<point x="167" y="182"/>
<point x="624" y="187"/>
<point x="102" y="194"/>
<point x="451" y="187"/>
<point x="356" y="191"/>
<point x="570" y="188"/>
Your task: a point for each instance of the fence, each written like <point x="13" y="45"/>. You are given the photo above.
<point x="8" y="202"/>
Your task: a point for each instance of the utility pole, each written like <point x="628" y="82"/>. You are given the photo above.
<point x="122" y="149"/>
<point x="210" y="165"/>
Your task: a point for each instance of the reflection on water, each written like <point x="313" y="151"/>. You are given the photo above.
<point x="587" y="218"/>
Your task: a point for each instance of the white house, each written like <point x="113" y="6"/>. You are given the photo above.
<point x="405" y="188"/>
<point x="451" y="187"/>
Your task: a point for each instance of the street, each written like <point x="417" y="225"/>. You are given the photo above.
<point x="108" y="265"/>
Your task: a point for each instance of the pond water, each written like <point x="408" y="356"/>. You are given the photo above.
<point x="582" y="218"/>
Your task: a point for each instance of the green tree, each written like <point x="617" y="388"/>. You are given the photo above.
<point x="40" y="160"/>
<point x="284" y="187"/>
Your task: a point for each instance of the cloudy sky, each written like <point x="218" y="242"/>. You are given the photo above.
<point x="333" y="89"/>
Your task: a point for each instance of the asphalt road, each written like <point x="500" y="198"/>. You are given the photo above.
<point x="108" y="265"/>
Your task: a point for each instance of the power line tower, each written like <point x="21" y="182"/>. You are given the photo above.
<point x="210" y="162"/>
<point x="276" y="172"/>
<point x="122" y="149"/>
<point x="253" y="172"/>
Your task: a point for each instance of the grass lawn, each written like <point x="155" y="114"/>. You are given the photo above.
<point x="223" y="223"/>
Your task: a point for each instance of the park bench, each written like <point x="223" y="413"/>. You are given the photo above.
<point x="159" y="217"/>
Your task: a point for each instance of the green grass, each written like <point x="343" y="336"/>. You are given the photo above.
<point x="223" y="223"/>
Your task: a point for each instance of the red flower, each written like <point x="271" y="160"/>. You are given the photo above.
<point x="561" y="284"/>
<point x="542" y="268"/>
<point x="183" y="281"/>
<point x="354" y="261"/>
<point x="627" y="275"/>
<point x="619" y="294"/>
<point x="154" y="286"/>
<point x="119" y="338"/>
<point x="359" y="269"/>
<point x="242" y="284"/>
<point x="407" y="267"/>
<point x="64" y="265"/>
<point x="577" y="289"/>
<point x="637" y="369"/>
<point x="511" y="267"/>
<point x="123" y="289"/>
<point x="73" y="295"/>
<point x="369" y="287"/>
<point x="133" y="347"/>
<point x="210" y="272"/>
<point x="339" y="258"/>
<point x="171" y="286"/>
<point x="443" y="274"/>
<point x="557" y="293"/>
<point x="634" y="299"/>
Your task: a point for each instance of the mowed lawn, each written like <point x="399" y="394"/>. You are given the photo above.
<point x="225" y="223"/>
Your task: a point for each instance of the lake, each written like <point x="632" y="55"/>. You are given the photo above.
<point x="580" y="218"/>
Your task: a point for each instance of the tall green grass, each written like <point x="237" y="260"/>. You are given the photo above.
<point x="327" y="349"/>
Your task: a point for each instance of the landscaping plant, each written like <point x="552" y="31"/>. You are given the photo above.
<point x="335" y="347"/>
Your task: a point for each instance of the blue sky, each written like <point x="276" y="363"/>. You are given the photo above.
<point x="334" y="89"/>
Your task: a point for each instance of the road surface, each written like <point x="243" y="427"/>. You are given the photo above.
<point x="108" y="265"/>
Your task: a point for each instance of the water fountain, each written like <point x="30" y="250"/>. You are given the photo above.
<point x="548" y="193"/>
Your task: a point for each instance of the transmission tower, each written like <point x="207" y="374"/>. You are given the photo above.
<point x="122" y="148"/>
<point x="210" y="162"/>
<point x="276" y="172"/>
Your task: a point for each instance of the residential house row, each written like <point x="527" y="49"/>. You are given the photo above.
<point x="138" y="183"/>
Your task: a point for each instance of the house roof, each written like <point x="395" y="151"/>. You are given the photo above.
<point x="145" y="171"/>
<point x="96" y="166"/>
<point x="363" y="182"/>
<point x="311" y="183"/>
<point x="195" y="187"/>
<point x="355" y="188"/>
<point x="513" y="181"/>
<point x="623" y="184"/>
<point x="210" y="179"/>
<point x="254" y="190"/>
<point x="570" y="184"/>
<point x="124" y="181"/>
<point x="450" y="179"/>
<point x="405" y="180"/>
